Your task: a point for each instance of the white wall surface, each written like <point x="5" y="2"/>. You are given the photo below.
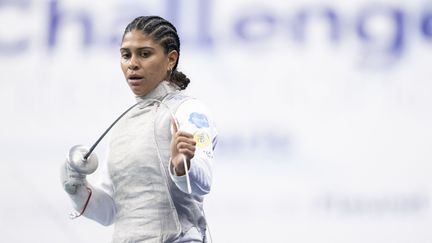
<point x="324" y="110"/>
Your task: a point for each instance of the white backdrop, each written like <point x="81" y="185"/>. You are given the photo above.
<point x="323" y="110"/>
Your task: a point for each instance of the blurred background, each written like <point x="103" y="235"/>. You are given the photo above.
<point x="323" y="110"/>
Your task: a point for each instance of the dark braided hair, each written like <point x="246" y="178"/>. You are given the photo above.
<point x="164" y="33"/>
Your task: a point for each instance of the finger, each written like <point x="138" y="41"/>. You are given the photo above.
<point x="185" y="140"/>
<point x="188" y="153"/>
<point x="187" y="146"/>
<point x="184" y="134"/>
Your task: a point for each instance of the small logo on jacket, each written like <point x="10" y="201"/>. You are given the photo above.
<point x="202" y="139"/>
<point x="199" y="120"/>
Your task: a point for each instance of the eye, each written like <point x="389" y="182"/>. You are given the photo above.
<point x="145" y="53"/>
<point x="125" y="55"/>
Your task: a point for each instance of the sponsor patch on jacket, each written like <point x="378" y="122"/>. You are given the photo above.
<point x="202" y="139"/>
<point x="199" y="120"/>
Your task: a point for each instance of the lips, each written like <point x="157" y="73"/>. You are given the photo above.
<point x="135" y="79"/>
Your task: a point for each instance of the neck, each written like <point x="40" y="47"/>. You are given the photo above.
<point x="158" y="93"/>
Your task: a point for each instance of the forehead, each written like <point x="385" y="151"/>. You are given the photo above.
<point x="137" y="39"/>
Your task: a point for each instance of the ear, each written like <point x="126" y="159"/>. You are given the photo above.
<point x="172" y="59"/>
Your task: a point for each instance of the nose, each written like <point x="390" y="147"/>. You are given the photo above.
<point x="133" y="64"/>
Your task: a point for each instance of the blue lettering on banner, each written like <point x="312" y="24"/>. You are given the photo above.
<point x="21" y="44"/>
<point x="303" y="17"/>
<point x="395" y="16"/>
<point x="199" y="120"/>
<point x="426" y="26"/>
<point x="58" y="17"/>
<point x="244" y="25"/>
<point x="262" y="25"/>
<point x="361" y="205"/>
<point x="266" y="143"/>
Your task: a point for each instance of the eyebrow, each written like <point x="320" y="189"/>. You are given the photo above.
<point x="138" y="49"/>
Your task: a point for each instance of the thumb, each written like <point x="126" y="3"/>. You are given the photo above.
<point x="174" y="126"/>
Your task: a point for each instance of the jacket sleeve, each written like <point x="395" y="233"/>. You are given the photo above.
<point x="194" y="117"/>
<point x="101" y="207"/>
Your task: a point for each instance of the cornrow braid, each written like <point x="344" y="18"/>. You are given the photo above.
<point x="164" y="33"/>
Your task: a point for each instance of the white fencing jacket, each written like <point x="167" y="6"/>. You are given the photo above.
<point x="140" y="194"/>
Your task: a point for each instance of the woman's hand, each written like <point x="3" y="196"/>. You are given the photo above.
<point x="182" y="144"/>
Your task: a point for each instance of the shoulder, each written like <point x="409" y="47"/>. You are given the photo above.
<point x="194" y="114"/>
<point x="184" y="104"/>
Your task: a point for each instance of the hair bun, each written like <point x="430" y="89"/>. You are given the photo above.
<point x="180" y="79"/>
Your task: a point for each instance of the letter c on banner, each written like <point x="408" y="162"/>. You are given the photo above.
<point x="19" y="44"/>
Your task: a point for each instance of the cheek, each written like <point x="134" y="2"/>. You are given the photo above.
<point x="123" y="67"/>
<point x="157" y="69"/>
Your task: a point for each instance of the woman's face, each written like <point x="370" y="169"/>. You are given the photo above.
<point x="144" y="62"/>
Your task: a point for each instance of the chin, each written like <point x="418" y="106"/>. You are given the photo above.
<point x="139" y="92"/>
